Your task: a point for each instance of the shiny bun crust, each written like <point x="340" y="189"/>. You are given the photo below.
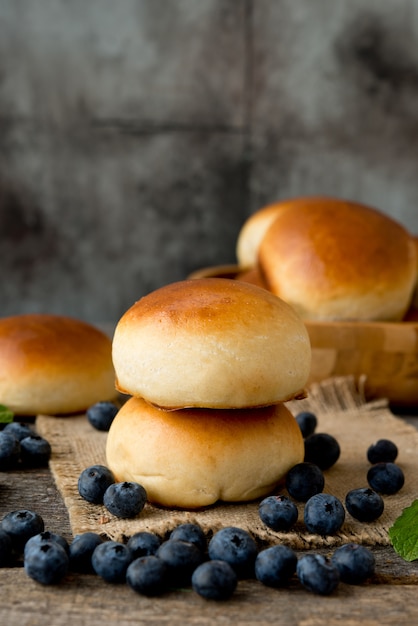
<point x="190" y="458"/>
<point x="214" y="343"/>
<point x="337" y="260"/>
<point x="53" y="365"/>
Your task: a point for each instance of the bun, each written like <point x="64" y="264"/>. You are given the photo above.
<point x="194" y="457"/>
<point x="256" y="226"/>
<point x="213" y="343"/>
<point x="337" y="260"/>
<point x="54" y="365"/>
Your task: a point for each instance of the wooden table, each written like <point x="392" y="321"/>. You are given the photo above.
<point x="391" y="597"/>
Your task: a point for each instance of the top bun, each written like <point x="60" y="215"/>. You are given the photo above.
<point x="53" y="364"/>
<point x="336" y="260"/>
<point x="213" y="343"/>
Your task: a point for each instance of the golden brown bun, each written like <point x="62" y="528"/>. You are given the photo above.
<point x="337" y="260"/>
<point x="252" y="276"/>
<point x="194" y="457"/>
<point x="53" y="364"/>
<point x="215" y="343"/>
<point x="256" y="226"/>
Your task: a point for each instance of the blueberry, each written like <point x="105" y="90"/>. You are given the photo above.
<point x="45" y="537"/>
<point x="148" y="575"/>
<point x="383" y="450"/>
<point x="46" y="562"/>
<point x="35" y="451"/>
<point x="181" y="558"/>
<point x="81" y="550"/>
<point x="304" y="480"/>
<point x="237" y="547"/>
<point x="324" y="514"/>
<point x="275" y="566"/>
<point x="143" y="544"/>
<point x="364" y="504"/>
<point x="93" y="482"/>
<point x="190" y="532"/>
<point x="110" y="561"/>
<point x="19" y="429"/>
<point x="125" y="499"/>
<point x="6" y="548"/>
<point x="318" y="574"/>
<point x="354" y="562"/>
<point x="9" y="451"/>
<point x="386" y="478"/>
<point x="102" y="414"/>
<point x="278" y="512"/>
<point x="21" y="526"/>
<point x="322" y="449"/>
<point x="307" y="422"/>
<point x="214" y="580"/>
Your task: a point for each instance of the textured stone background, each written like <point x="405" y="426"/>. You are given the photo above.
<point x="136" y="136"/>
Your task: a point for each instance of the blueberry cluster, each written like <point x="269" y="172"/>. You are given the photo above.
<point x="97" y="485"/>
<point x="21" y="446"/>
<point x="324" y="514"/>
<point x="152" y="566"/>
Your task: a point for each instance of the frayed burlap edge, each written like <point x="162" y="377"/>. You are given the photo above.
<point x="341" y="410"/>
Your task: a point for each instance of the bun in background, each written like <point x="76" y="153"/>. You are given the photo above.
<point x="53" y="365"/>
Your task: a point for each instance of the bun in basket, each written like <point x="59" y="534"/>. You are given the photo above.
<point x="194" y="457"/>
<point x="213" y="343"/>
<point x="53" y="364"/>
<point x="337" y="260"/>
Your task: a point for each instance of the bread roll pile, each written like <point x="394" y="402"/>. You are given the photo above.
<point x="208" y="364"/>
<point x="330" y="259"/>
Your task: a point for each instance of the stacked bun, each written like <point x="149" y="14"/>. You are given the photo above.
<point x="209" y="364"/>
<point x="53" y="364"/>
<point x="331" y="259"/>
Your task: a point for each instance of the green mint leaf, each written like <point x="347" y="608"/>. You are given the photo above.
<point x="404" y="533"/>
<point x="6" y="415"/>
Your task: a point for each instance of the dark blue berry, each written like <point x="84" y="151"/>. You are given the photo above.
<point x="6" y="548"/>
<point x="125" y="499"/>
<point x="278" y="512"/>
<point x="307" y="422"/>
<point x="318" y="574"/>
<point x="46" y="562"/>
<point x="355" y="563"/>
<point x="81" y="550"/>
<point x="9" y="451"/>
<point x="382" y="451"/>
<point x="93" y="482"/>
<point x="364" y="504"/>
<point x="35" y="451"/>
<point x="190" y="532"/>
<point x="143" y="544"/>
<point x="386" y="478"/>
<point x="110" y="561"/>
<point x="102" y="414"/>
<point x="21" y="526"/>
<point x="214" y="580"/>
<point x="45" y="537"/>
<point x="322" y="449"/>
<point x="181" y="558"/>
<point x="237" y="547"/>
<point x="324" y="514"/>
<point x="275" y="566"/>
<point x="148" y="575"/>
<point x="19" y="429"/>
<point x="304" y="480"/>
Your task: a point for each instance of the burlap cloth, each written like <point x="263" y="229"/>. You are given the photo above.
<point x="341" y="410"/>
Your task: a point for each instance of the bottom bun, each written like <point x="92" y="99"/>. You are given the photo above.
<point x="191" y="458"/>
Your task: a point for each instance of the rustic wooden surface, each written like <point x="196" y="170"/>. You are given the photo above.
<point x="388" y="598"/>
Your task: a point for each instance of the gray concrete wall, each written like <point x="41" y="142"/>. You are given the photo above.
<point x="136" y="136"/>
